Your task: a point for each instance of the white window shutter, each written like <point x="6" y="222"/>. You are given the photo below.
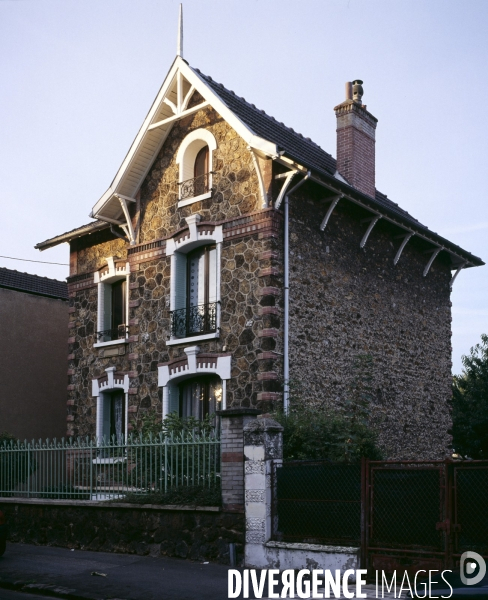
<point x="106" y="417"/>
<point x="180" y="280"/>
<point x="107" y="305"/>
<point x="173" y="398"/>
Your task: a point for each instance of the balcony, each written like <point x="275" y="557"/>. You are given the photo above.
<point x="194" y="188"/>
<point x="110" y="335"/>
<point x="195" y="320"/>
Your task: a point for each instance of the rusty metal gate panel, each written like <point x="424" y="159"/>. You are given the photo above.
<point x="316" y="501"/>
<point x="406" y="515"/>
<point x="469" y="530"/>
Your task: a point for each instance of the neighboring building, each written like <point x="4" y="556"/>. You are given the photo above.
<point x="178" y="289"/>
<point x="33" y="326"/>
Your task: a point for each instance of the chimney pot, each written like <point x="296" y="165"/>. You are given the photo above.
<point x="348" y="90"/>
<point x="357" y="91"/>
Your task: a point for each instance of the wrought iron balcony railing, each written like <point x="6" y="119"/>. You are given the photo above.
<point x="109" y="335"/>
<point x="195" y="320"/>
<point x="195" y="187"/>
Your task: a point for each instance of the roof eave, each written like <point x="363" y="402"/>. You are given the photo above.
<point x="372" y="203"/>
<point x="67" y="237"/>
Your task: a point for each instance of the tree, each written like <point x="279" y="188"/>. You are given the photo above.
<point x="470" y="404"/>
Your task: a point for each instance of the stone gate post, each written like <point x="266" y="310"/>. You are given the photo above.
<point x="232" y="455"/>
<point x="263" y="443"/>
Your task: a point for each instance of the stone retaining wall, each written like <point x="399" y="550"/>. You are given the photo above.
<point x="202" y="533"/>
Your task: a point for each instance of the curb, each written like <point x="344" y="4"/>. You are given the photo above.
<point x="49" y="590"/>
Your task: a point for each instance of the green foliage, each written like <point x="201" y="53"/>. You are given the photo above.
<point x="155" y="464"/>
<point x="339" y="434"/>
<point x="150" y="425"/>
<point x="195" y="495"/>
<point x="15" y="467"/>
<point x="470" y="404"/>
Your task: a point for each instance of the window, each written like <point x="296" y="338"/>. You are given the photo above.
<point x="113" y="310"/>
<point x="194" y="158"/>
<point x="196" y="293"/>
<point x="200" y="397"/>
<point x="198" y="185"/>
<point x="112" y="317"/>
<point x="113" y="419"/>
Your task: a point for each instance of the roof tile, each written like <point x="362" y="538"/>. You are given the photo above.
<point x="33" y="284"/>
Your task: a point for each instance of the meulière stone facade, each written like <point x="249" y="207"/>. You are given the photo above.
<point x="369" y="306"/>
<point x="347" y="295"/>
<point x="247" y="293"/>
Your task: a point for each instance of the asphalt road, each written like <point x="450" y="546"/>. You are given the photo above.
<point x="64" y="573"/>
<point x="9" y="595"/>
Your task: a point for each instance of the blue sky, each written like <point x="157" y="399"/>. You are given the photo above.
<point x="78" y="77"/>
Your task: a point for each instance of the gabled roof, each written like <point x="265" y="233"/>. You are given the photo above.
<point x="294" y="145"/>
<point x="33" y="284"/>
<point x="263" y="134"/>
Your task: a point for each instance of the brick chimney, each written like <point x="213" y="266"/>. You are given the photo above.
<point x="355" y="140"/>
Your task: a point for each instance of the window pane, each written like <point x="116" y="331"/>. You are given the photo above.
<point x="196" y="281"/>
<point x="201" y="396"/>
<point x="215" y="396"/>
<point x="201" y="162"/>
<point x="118" y="303"/>
<point x="212" y="275"/>
<point x="191" y="393"/>
<point x="117" y="417"/>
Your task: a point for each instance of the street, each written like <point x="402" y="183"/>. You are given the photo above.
<point x="10" y="595"/>
<point x="63" y="573"/>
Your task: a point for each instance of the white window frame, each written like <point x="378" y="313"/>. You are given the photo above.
<point x="167" y="377"/>
<point x="185" y="159"/>
<point x="104" y="280"/>
<point x="99" y="391"/>
<point x="195" y="239"/>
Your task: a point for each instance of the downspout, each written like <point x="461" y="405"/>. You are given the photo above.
<point x="286" y="357"/>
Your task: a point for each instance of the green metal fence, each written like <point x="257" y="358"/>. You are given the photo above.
<point x="91" y="469"/>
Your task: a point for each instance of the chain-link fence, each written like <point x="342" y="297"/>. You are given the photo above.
<point x="401" y="512"/>
<point x="317" y="501"/>
<point x="407" y="502"/>
<point x="471" y="507"/>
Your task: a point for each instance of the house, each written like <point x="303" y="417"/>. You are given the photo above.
<point x="231" y="255"/>
<point x="33" y="326"/>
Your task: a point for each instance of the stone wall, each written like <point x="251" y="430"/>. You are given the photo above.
<point x="234" y="180"/>
<point x="196" y="534"/>
<point x="346" y="301"/>
<point x="250" y="323"/>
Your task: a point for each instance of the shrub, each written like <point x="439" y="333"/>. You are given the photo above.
<point x="342" y="433"/>
<point x="184" y="495"/>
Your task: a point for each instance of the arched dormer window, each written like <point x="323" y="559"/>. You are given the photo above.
<point x="195" y="165"/>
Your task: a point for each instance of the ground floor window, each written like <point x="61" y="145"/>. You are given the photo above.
<point x="114" y="416"/>
<point x="200" y="397"/>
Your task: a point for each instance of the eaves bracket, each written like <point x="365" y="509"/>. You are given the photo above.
<point x="330" y="210"/>
<point x="372" y="223"/>
<point x="431" y="260"/>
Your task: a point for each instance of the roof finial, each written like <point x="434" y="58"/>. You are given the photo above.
<point x="179" y="49"/>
